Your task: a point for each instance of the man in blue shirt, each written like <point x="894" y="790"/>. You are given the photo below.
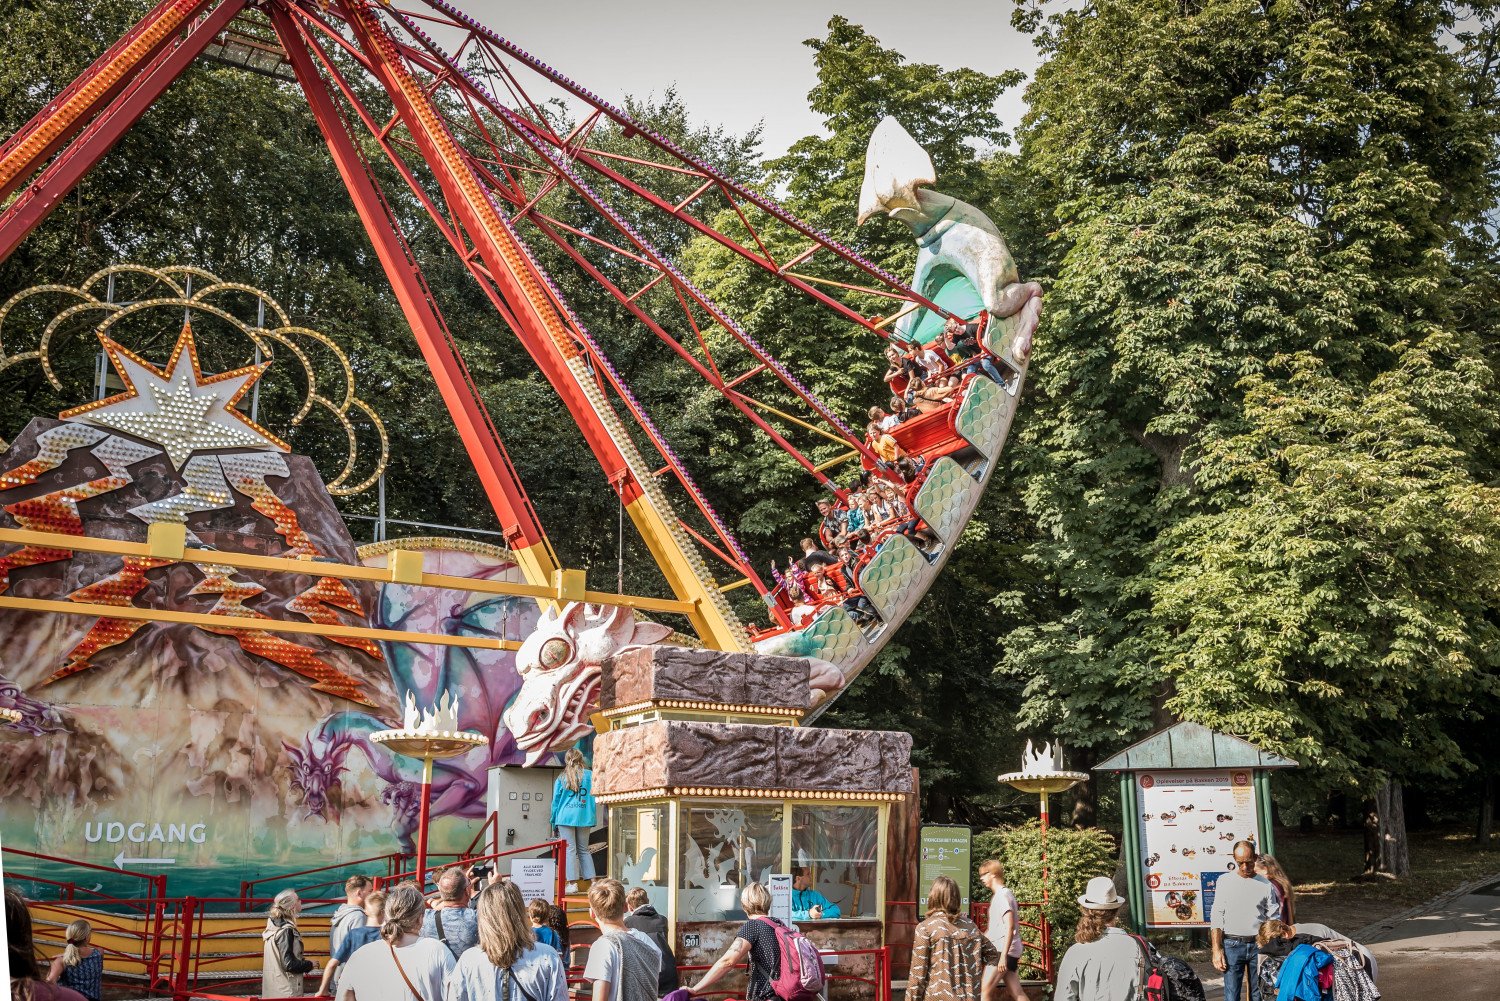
<point x="808" y="904"/>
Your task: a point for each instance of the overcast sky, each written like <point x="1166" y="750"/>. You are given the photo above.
<point x="740" y="63"/>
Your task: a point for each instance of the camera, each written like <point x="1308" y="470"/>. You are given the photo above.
<point x="481" y="870"/>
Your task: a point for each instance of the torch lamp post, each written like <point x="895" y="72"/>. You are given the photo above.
<point x="430" y="737"/>
<point x="1042" y="774"/>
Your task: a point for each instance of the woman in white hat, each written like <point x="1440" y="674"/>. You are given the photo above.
<point x="1105" y="963"/>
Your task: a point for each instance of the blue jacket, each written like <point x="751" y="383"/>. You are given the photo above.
<point x="574" y="809"/>
<point x="805" y="900"/>
<point x="1298" y="979"/>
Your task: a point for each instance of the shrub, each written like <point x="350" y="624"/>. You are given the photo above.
<point x="1074" y="856"/>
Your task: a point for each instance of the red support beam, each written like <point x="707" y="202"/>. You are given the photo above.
<point x="481" y="439"/>
<point x="38" y="200"/>
<point x="62" y="117"/>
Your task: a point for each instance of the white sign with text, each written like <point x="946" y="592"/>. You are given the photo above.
<point x="536" y="878"/>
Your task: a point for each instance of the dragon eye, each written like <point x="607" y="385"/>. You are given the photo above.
<point x="555" y="653"/>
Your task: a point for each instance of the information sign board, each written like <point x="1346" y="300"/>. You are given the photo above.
<point x="1189" y="821"/>
<point x="780" y="885"/>
<point x="945" y="851"/>
<point x="536" y="878"/>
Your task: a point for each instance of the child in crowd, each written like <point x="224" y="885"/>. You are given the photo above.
<point x="539" y="912"/>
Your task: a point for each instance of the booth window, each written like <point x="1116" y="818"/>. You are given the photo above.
<point x="638" y="840"/>
<point x="725" y="848"/>
<point x="839" y="846"/>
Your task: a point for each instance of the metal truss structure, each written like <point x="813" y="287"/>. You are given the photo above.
<point x="470" y="132"/>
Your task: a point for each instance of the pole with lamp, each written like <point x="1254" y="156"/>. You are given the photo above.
<point x="430" y="737"/>
<point x="1042" y="774"/>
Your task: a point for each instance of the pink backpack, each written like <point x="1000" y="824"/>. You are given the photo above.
<point x="801" y="975"/>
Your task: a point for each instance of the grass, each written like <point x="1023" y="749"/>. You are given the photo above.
<point x="1325" y="868"/>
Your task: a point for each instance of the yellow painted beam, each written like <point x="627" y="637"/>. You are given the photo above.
<point x="795" y="420"/>
<point x="836" y="461"/>
<point x="136" y="613"/>
<point x="342" y="571"/>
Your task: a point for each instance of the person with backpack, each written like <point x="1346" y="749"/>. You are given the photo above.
<point x="623" y="963"/>
<point x="948" y="952"/>
<point x="451" y="920"/>
<point x="1104" y="963"/>
<point x="783" y="963"/>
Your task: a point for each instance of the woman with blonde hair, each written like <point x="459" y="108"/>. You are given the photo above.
<point x="402" y="966"/>
<point x="755" y="939"/>
<point x="948" y="953"/>
<point x="283" y="964"/>
<point x="1267" y="866"/>
<point x="573" y="815"/>
<point x="81" y="966"/>
<point x="508" y="964"/>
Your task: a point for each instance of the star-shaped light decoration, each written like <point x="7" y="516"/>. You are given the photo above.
<point x="180" y="409"/>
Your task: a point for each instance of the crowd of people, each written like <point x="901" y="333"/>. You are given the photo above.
<point x="479" y="940"/>
<point x="921" y="379"/>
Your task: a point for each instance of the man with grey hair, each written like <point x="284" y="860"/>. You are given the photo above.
<point x="1242" y="902"/>
<point x="451" y="920"/>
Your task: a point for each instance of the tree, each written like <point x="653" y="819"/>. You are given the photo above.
<point x="1247" y="203"/>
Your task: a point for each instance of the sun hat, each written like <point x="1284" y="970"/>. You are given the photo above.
<point x="1101" y="895"/>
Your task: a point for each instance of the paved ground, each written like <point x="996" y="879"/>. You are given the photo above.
<point x="1445" y="950"/>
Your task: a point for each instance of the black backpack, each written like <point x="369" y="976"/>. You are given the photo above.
<point x="1156" y="985"/>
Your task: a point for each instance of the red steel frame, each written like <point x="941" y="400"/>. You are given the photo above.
<point x="481" y="155"/>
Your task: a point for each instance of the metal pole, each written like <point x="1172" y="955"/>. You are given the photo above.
<point x="422" y="820"/>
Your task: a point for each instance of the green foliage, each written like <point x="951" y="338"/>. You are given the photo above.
<point x="1260" y="420"/>
<point x="1074" y="856"/>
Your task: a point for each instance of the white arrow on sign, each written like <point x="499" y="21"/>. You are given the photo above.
<point x="121" y="861"/>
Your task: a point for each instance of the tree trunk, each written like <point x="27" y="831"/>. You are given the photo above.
<point x="1085" y="794"/>
<point x="1394" y="857"/>
<point x="1487" y="810"/>
<point x="1371" y="824"/>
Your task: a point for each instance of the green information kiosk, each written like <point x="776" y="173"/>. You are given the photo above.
<point x="1187" y="794"/>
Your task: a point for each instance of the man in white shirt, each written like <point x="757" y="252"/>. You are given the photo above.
<point x="1242" y="901"/>
<point x="623" y="964"/>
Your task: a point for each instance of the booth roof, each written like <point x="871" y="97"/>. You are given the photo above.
<point x="1192" y="745"/>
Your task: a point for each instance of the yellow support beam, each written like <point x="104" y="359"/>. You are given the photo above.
<point x="795" y="420"/>
<point x="836" y="461"/>
<point x="136" y="613"/>
<point x="400" y="561"/>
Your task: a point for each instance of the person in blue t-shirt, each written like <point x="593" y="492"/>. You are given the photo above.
<point x="808" y="904"/>
<point x="352" y="939"/>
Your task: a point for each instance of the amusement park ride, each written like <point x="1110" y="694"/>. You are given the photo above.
<point x="466" y="126"/>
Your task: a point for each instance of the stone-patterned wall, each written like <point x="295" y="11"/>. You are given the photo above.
<point x="668" y="753"/>
<point x="657" y="673"/>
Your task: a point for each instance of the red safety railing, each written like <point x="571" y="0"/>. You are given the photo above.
<point x="557" y="849"/>
<point x="878" y="980"/>
<point x="392" y="861"/>
<point x="112" y="918"/>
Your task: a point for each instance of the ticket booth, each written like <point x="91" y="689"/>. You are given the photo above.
<point x="707" y="791"/>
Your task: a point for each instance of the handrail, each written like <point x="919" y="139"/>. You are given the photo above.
<point x="156" y="881"/>
<point x="557" y="848"/>
<point x="391" y="859"/>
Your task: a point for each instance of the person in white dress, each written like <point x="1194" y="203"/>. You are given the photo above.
<point x="400" y="965"/>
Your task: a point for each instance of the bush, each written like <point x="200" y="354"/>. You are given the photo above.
<point x="1074" y="856"/>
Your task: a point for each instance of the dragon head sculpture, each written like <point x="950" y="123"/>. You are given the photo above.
<point x="560" y="665"/>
